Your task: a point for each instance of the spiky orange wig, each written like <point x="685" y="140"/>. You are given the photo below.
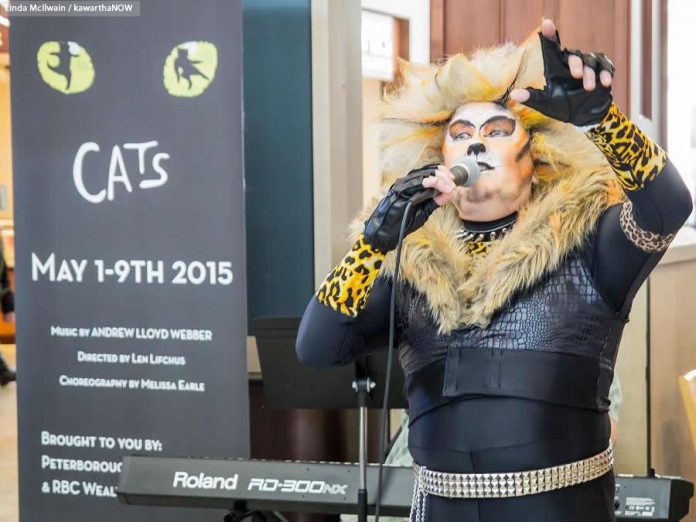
<point x="414" y="118"/>
<point x="576" y="184"/>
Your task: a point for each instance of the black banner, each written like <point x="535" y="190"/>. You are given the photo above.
<point x="130" y="265"/>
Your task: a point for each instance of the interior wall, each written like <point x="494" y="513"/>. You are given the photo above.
<point x="417" y="14"/>
<point x="412" y="43"/>
<point x="672" y="334"/>
<point x="681" y="113"/>
<point x="278" y="157"/>
<point x="372" y="178"/>
<point x="632" y="444"/>
<point x="336" y="128"/>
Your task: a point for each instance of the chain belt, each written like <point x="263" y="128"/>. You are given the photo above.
<point x="503" y="485"/>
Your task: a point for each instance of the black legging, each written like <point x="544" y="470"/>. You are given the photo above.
<point x="489" y="434"/>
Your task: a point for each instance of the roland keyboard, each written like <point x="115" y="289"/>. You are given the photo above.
<point x="332" y="487"/>
<point x="262" y="485"/>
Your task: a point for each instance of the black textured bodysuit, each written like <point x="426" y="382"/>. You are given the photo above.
<point x="467" y="430"/>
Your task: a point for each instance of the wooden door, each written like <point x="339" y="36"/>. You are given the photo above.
<point x="590" y="25"/>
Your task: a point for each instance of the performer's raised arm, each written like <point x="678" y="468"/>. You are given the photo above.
<point x="630" y="238"/>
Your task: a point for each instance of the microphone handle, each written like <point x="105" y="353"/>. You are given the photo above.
<point x="423" y="195"/>
<point x="461" y="179"/>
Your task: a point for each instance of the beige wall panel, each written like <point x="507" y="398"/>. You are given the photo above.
<point x="672" y="353"/>
<point x="372" y="177"/>
<point x="631" y="448"/>
<point x="336" y="128"/>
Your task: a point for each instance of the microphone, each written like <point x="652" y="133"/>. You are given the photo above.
<point x="466" y="173"/>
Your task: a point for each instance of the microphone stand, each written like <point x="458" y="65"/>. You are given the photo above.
<point x="363" y="386"/>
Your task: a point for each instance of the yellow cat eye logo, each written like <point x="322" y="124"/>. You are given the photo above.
<point x="65" y="66"/>
<point x="190" y="68"/>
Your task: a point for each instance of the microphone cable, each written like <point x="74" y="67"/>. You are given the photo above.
<point x="468" y="173"/>
<point x="392" y="336"/>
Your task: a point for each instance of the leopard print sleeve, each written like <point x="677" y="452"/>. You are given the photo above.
<point x="645" y="240"/>
<point x="637" y="161"/>
<point x="630" y="238"/>
<point x="347" y="286"/>
<point x="633" y="156"/>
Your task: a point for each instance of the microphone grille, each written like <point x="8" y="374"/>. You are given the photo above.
<point x="466" y="171"/>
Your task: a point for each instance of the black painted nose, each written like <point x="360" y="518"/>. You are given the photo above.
<point x="476" y="148"/>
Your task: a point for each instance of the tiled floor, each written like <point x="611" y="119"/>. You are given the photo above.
<point x="8" y="445"/>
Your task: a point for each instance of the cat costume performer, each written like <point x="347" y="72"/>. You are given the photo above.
<point x="507" y="328"/>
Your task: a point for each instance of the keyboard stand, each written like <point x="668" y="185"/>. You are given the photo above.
<point x="242" y="514"/>
<point x="288" y="383"/>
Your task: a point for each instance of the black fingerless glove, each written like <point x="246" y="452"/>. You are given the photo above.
<point x="383" y="226"/>
<point x="564" y="98"/>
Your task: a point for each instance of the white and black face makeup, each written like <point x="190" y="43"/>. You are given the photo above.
<point x="496" y="139"/>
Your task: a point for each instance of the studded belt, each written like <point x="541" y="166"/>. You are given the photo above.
<point x="503" y="485"/>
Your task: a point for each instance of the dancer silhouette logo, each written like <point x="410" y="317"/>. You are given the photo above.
<point x="190" y="68"/>
<point x="65" y="66"/>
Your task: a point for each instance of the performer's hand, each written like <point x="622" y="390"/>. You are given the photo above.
<point x="383" y="226"/>
<point x="443" y="182"/>
<point x="9" y="317"/>
<point x="572" y="93"/>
